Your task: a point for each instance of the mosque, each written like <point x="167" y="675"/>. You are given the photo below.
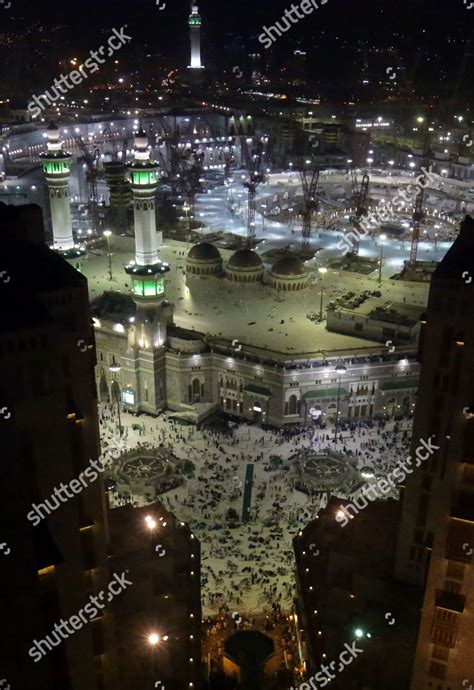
<point x="146" y="363"/>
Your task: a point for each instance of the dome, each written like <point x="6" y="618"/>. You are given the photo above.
<point x="289" y="266"/>
<point x="204" y="252"/>
<point x="245" y="258"/>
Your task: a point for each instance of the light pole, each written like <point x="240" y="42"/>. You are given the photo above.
<point x="382" y="238"/>
<point x="340" y="369"/>
<point x="264" y="206"/>
<point x="322" y="271"/>
<point x="115" y="368"/>
<point x="186" y="209"/>
<point x="107" y="234"/>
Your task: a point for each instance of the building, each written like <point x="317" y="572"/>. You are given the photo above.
<point x="148" y="364"/>
<point x="375" y="319"/>
<point x="61" y="543"/>
<point x="437" y="522"/>
<point x="406" y="564"/>
<point x="345" y="589"/>
<point x="162" y="558"/>
<point x="49" y="435"/>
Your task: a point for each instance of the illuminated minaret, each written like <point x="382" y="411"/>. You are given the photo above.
<point x="56" y="166"/>
<point x="195" y="36"/>
<point x="147" y="272"/>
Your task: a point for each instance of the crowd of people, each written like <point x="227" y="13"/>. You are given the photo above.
<point x="246" y="563"/>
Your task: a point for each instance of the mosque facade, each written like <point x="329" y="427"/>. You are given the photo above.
<point x="145" y="363"/>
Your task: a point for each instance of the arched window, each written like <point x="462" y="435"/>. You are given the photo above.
<point x="292" y="405"/>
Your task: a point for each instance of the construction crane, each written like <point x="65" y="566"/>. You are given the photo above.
<point x="418" y="213"/>
<point x="311" y="204"/>
<point x="229" y="156"/>
<point x="256" y="177"/>
<point x="355" y="184"/>
<point x="91" y="158"/>
<point x="361" y="210"/>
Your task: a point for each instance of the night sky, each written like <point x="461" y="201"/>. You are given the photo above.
<point x="428" y="36"/>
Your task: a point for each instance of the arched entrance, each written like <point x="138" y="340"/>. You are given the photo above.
<point x="196" y="390"/>
<point x="406" y="406"/>
<point x="257" y="412"/>
<point x="292" y="405"/>
<point x="103" y="389"/>
<point x="390" y="407"/>
<point x="331" y="413"/>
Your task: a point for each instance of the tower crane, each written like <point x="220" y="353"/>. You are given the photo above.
<point x="91" y="158"/>
<point x="361" y="210"/>
<point x="311" y="204"/>
<point x="418" y="213"/>
<point x="256" y="177"/>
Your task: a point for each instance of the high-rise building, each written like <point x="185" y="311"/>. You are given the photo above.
<point x="436" y="537"/>
<point x="398" y="577"/>
<point x="56" y="167"/>
<point x="54" y="555"/>
<point x="195" y="36"/>
<point x="158" y="619"/>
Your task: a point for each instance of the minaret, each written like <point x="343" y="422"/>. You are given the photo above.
<point x="147" y="272"/>
<point x="56" y="166"/>
<point x="195" y="36"/>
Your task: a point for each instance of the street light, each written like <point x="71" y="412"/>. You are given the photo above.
<point x="153" y="639"/>
<point x="114" y="369"/>
<point x="186" y="209"/>
<point x="107" y="235"/>
<point x="150" y="522"/>
<point x="322" y="270"/>
<point x="382" y="239"/>
<point x="340" y="369"/>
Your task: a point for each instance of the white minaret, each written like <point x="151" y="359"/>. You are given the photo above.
<point x="147" y="272"/>
<point x="56" y="167"/>
<point x="195" y="36"/>
<point x="144" y="183"/>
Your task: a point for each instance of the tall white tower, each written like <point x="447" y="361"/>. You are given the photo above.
<point x="147" y="272"/>
<point x="195" y="36"/>
<point x="56" y="167"/>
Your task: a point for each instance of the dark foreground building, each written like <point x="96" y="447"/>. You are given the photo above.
<point x="396" y="578"/>
<point x="78" y="600"/>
